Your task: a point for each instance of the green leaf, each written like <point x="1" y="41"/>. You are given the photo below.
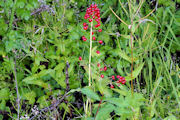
<point x="124" y="56"/>
<point x="117" y="101"/>
<point x="3" y="105"/>
<point x="90" y="93"/>
<point x="31" y="97"/>
<point x="45" y="72"/>
<point x="4" y="94"/>
<point x="36" y="78"/>
<point x="104" y="112"/>
<point x="36" y="82"/>
<point x="172" y="117"/>
<point x="135" y="73"/>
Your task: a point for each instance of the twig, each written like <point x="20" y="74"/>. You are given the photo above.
<point x="118" y="17"/>
<point x="51" y="107"/>
<point x="99" y="106"/>
<point x="4" y="112"/>
<point x="17" y="92"/>
<point x="67" y="76"/>
<point x="33" y="13"/>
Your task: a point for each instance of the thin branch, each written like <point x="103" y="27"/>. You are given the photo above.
<point x="67" y="76"/>
<point x="51" y="107"/>
<point x="17" y="91"/>
<point x="98" y="107"/>
<point x="118" y="16"/>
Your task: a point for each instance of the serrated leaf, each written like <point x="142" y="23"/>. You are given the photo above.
<point x="36" y="82"/>
<point x="116" y="101"/>
<point x="124" y="56"/>
<point x="135" y="73"/>
<point x="44" y="72"/>
<point x="90" y="93"/>
<point x="104" y="112"/>
<point x="4" y="94"/>
<point x="30" y="96"/>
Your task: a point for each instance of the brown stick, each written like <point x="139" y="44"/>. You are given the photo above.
<point x="17" y="91"/>
<point x="67" y="76"/>
<point x="98" y="107"/>
<point x="51" y="107"/>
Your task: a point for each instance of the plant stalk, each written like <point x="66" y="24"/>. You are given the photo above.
<point x="12" y="15"/>
<point x="88" y="102"/>
<point x="17" y="91"/>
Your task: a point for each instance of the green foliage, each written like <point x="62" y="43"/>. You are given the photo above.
<point x="43" y="36"/>
<point x="90" y="94"/>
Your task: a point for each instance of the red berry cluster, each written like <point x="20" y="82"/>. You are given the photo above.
<point x="92" y="13"/>
<point x="120" y="80"/>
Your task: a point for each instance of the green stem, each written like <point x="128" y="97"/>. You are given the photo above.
<point x="88" y="102"/>
<point x="12" y="15"/>
<point x="90" y="52"/>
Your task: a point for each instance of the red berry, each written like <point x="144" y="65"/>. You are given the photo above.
<point x="98" y="52"/>
<point x="100" y="30"/>
<point x="90" y="20"/>
<point x="85" y="28"/>
<point x="80" y="58"/>
<point x="97" y="20"/>
<point x="94" y="38"/>
<point x="84" y="24"/>
<point x="113" y="77"/>
<point x="96" y="26"/>
<point x="85" y="17"/>
<point x="102" y="76"/>
<point x="98" y="64"/>
<point x="93" y="17"/>
<point x="101" y="69"/>
<point x="84" y="39"/>
<point x="112" y="86"/>
<point x="118" y="81"/>
<point x="121" y="77"/>
<point x="105" y="68"/>
<point x="95" y="6"/>
<point x="123" y="82"/>
<point x="100" y="42"/>
<point x="118" y="76"/>
<point x="92" y="33"/>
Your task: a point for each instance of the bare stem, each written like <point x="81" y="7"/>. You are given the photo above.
<point x="132" y="89"/>
<point x="17" y="91"/>
<point x="131" y="34"/>
<point x="99" y="107"/>
<point x="90" y="52"/>
<point x="88" y="102"/>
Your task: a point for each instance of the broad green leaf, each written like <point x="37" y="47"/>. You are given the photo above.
<point x="90" y="93"/>
<point x="172" y="117"/>
<point x="44" y="72"/>
<point x="3" y="105"/>
<point x="60" y="79"/>
<point x="135" y="73"/>
<point x="124" y="56"/>
<point x="121" y="92"/>
<point x="31" y="97"/>
<point x="4" y="94"/>
<point x="38" y="82"/>
<point x="117" y="101"/>
<point x="104" y="112"/>
<point x="43" y="101"/>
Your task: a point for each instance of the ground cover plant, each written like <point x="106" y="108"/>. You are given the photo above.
<point x="89" y="60"/>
